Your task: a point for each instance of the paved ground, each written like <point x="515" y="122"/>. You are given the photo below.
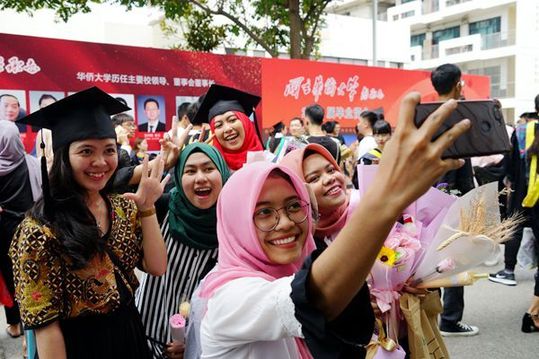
<point x="496" y="309"/>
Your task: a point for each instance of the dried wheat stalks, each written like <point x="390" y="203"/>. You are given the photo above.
<point x="478" y="220"/>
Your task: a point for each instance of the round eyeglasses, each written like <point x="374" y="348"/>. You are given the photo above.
<point x="267" y="219"/>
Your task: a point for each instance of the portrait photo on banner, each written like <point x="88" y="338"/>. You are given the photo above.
<point x="41" y="99"/>
<point x="13" y="106"/>
<point x="151" y="116"/>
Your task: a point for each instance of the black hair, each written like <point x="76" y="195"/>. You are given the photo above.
<point x="329" y="126"/>
<point x="182" y="110"/>
<point x="444" y="78"/>
<point x="315" y="113"/>
<point x="381" y="127"/>
<point x="297" y="119"/>
<point x="151" y="99"/>
<point x="10" y="95"/>
<point x="73" y="224"/>
<point x="329" y="144"/>
<point x="121" y="118"/>
<point x="192" y="110"/>
<point x="122" y="100"/>
<point x="46" y="96"/>
<point x="137" y="142"/>
<point x="537" y="103"/>
<point x="278" y="127"/>
<point x="370" y="116"/>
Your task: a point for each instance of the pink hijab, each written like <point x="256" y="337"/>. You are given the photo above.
<point x="294" y="161"/>
<point x="240" y="252"/>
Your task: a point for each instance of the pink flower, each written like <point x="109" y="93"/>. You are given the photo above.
<point x="177" y="321"/>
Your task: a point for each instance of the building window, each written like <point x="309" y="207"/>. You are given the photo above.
<point x="417" y="40"/>
<point x="395" y="65"/>
<point x="484" y="27"/>
<point x="455" y="2"/>
<point x="497" y="89"/>
<point x="405" y="1"/>
<point x="407" y="14"/>
<point x="445" y="34"/>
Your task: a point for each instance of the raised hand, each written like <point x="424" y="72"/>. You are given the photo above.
<point x="171" y="145"/>
<point x="412" y="162"/>
<point x="151" y="185"/>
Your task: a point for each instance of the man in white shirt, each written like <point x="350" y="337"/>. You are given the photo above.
<point x="314" y="118"/>
<point x="364" y="127"/>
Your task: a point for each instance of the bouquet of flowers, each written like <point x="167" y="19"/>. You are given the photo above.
<point x="469" y="234"/>
<point x="439" y="237"/>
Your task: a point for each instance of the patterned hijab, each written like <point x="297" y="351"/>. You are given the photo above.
<point x="236" y="159"/>
<point x="191" y="225"/>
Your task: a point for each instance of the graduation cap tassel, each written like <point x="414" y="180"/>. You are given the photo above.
<point x="257" y="127"/>
<point x="47" y="198"/>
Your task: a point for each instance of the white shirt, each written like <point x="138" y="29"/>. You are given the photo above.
<point x="365" y="145"/>
<point x="251" y="318"/>
<point x="152" y="127"/>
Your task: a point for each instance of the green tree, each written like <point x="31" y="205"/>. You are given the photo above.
<point x="273" y="25"/>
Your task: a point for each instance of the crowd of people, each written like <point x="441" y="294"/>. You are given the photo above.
<point x="272" y="252"/>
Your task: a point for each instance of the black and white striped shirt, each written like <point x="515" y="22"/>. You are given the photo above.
<point x="158" y="298"/>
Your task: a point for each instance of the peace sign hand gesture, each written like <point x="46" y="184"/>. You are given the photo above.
<point x="172" y="145"/>
<point x="151" y="185"/>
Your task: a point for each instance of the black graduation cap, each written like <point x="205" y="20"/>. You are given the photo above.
<point x="85" y="114"/>
<point x="220" y="99"/>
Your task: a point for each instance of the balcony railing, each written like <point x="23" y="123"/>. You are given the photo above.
<point x="430" y="6"/>
<point x="464" y="44"/>
<point x="498" y="39"/>
<point x="454" y="2"/>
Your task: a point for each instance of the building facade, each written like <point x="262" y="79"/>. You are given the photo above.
<point x="496" y="38"/>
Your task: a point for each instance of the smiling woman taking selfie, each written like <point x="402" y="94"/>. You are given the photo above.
<point x="74" y="255"/>
<point x="269" y="297"/>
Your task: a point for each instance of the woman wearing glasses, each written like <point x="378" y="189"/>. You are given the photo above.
<point x="270" y="297"/>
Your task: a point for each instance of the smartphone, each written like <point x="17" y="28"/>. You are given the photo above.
<point x="486" y="136"/>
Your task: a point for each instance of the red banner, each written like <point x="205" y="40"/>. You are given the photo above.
<point x="345" y="90"/>
<point x="31" y="67"/>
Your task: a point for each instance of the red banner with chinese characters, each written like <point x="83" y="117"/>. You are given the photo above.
<point x="154" y="82"/>
<point x="288" y="86"/>
<point x="31" y="67"/>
